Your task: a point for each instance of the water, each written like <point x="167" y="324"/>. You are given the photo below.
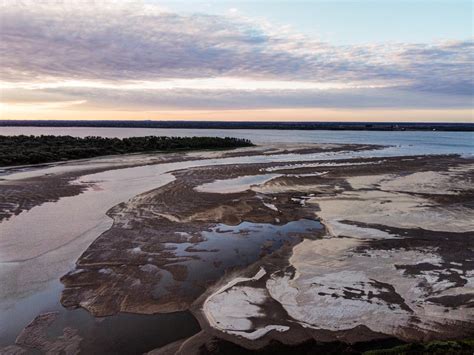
<point x="226" y="247"/>
<point x="122" y="333"/>
<point x="410" y="142"/>
<point x="241" y="183"/>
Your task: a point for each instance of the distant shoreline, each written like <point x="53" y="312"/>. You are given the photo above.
<point x="334" y="126"/>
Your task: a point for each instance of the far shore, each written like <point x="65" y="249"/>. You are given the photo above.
<point x="337" y="126"/>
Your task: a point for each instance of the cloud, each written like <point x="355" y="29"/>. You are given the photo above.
<point x="118" y="42"/>
<point x="121" y="42"/>
<point x="224" y="99"/>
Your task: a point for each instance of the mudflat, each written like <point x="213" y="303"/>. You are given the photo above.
<point x="298" y="253"/>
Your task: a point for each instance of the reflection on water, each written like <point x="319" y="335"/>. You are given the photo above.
<point x="226" y="247"/>
<point x="127" y="333"/>
<point x="122" y="333"/>
<point x="242" y="183"/>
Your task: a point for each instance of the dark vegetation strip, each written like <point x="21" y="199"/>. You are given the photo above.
<point x="21" y="150"/>
<point x="388" y="346"/>
<point x="337" y="126"/>
<point x="459" y="347"/>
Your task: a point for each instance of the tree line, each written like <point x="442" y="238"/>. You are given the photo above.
<point x="23" y="149"/>
<point x="338" y="126"/>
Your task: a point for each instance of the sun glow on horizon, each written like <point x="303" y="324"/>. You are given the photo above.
<point x="43" y="112"/>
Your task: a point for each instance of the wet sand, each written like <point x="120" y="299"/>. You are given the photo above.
<point x="274" y="251"/>
<point x="22" y="188"/>
<point x="396" y="261"/>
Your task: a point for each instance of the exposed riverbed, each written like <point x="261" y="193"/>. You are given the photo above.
<point x="36" y="249"/>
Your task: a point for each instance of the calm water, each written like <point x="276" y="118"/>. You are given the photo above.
<point x="433" y="142"/>
<point x="228" y="247"/>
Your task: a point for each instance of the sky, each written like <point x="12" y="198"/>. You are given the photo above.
<point x="320" y="60"/>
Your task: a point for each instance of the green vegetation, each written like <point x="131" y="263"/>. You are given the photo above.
<point x="20" y="150"/>
<point x="432" y="348"/>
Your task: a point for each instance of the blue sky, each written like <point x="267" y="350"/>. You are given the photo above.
<point x="237" y="60"/>
<point x="354" y="21"/>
